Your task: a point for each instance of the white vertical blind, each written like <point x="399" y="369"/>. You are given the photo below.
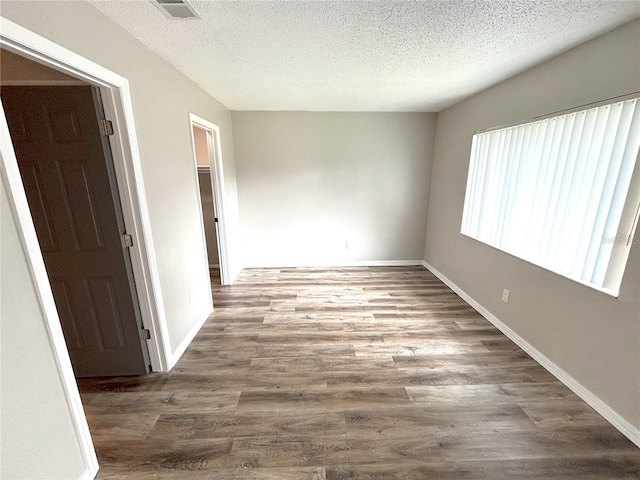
<point x="553" y="191"/>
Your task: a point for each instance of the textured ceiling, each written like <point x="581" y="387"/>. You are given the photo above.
<point x="362" y="55"/>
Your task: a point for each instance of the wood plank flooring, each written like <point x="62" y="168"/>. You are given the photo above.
<point x="349" y="373"/>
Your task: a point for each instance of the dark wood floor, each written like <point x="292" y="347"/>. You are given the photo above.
<point x="350" y="373"/>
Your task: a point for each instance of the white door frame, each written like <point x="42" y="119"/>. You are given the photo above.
<point x="118" y="107"/>
<point x="219" y="193"/>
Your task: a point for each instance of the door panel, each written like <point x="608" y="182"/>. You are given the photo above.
<point x="62" y="124"/>
<point x="47" y="236"/>
<point x="75" y="187"/>
<point x="67" y="313"/>
<point x="61" y="154"/>
<point x="104" y="309"/>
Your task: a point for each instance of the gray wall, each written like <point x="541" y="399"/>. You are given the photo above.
<point x="593" y="337"/>
<point x="162" y="99"/>
<point x="38" y="439"/>
<point x="308" y="182"/>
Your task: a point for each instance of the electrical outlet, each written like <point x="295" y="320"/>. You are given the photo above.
<point x="348" y="245"/>
<point x="505" y="295"/>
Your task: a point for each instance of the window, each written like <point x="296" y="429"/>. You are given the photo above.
<point x="558" y="192"/>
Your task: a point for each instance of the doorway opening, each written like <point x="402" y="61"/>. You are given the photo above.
<point x="208" y="163"/>
<point x="55" y="65"/>
<point x="207" y="203"/>
<point x="68" y="175"/>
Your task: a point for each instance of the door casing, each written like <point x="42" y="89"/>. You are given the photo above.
<point x="217" y="184"/>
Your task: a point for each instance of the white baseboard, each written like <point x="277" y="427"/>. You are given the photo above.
<point x="89" y="474"/>
<point x="626" y="428"/>
<point x="349" y="263"/>
<point x="186" y="341"/>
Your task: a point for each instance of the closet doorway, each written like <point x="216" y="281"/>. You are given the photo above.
<point x="206" y="147"/>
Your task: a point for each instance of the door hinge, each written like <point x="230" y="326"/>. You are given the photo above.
<point x="127" y="241"/>
<point x="215" y="219"/>
<point x="146" y="334"/>
<point x="106" y="127"/>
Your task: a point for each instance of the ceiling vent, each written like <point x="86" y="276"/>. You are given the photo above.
<point x="176" y="9"/>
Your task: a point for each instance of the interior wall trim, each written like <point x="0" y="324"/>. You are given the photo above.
<point x="88" y="475"/>
<point x="186" y="341"/>
<point x="622" y="425"/>
<point x="350" y="263"/>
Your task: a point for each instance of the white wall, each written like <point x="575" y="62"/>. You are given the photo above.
<point x="162" y="99"/>
<point x="591" y="336"/>
<point x="308" y="182"/>
<point x="37" y="433"/>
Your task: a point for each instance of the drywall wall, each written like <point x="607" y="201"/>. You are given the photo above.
<point x="309" y="182"/>
<point x="593" y="337"/>
<point x="38" y="440"/>
<point x="35" y="418"/>
<point x="162" y="99"/>
<point x="14" y="68"/>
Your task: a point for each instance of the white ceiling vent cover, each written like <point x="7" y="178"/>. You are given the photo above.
<point x="176" y="9"/>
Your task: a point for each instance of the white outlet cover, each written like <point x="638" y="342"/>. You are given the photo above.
<point x="505" y="295"/>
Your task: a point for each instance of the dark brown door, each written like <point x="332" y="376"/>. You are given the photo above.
<point x="67" y="174"/>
